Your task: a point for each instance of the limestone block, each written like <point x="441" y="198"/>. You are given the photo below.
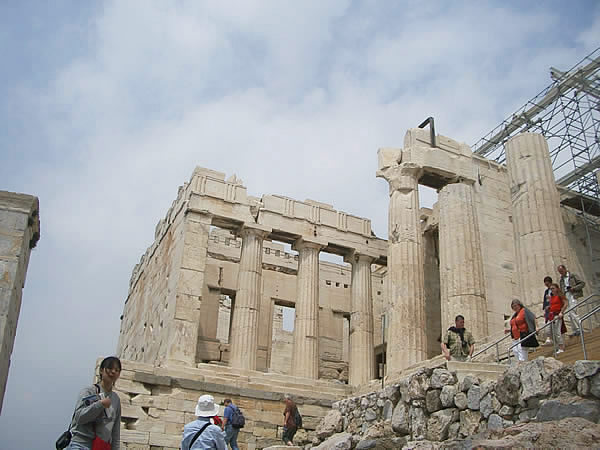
<point x="586" y="368"/>
<point x="447" y="395"/>
<point x="166" y="415"/>
<point x="135" y="412"/>
<point x="584" y="387"/>
<point x="432" y="400"/>
<point x="165" y="440"/>
<point x="563" y="380"/>
<point x="132" y="387"/>
<point x="418" y="423"/>
<point x="507" y="388"/>
<point x="568" y="405"/>
<point x="469" y="422"/>
<point x="474" y="397"/>
<point x="400" y="423"/>
<point x="135" y="437"/>
<point x="439" y="423"/>
<point x="387" y="157"/>
<point x="151" y="425"/>
<point x="595" y="385"/>
<point x="190" y="282"/>
<point x="441" y="378"/>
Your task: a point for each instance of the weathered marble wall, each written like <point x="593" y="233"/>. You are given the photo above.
<point x="19" y="233"/>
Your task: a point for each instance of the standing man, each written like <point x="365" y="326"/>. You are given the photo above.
<point x="458" y="345"/>
<point x="546" y="307"/>
<point x="572" y="286"/>
<point x="231" y="432"/>
<point x="201" y="434"/>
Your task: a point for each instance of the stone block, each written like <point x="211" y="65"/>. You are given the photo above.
<point x="586" y="368"/>
<point x="165" y="440"/>
<point x="568" y="405"/>
<point x="135" y="437"/>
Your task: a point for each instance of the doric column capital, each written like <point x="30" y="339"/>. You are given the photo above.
<point x="302" y="243"/>
<point x="402" y="177"/>
<point x="254" y="229"/>
<point x="355" y="257"/>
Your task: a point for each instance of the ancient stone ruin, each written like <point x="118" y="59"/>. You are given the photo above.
<point x="19" y="233"/>
<point x="209" y="300"/>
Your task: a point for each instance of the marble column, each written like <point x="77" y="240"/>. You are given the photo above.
<point x="244" y="327"/>
<point x="361" y="367"/>
<point x="305" y="358"/>
<point x="540" y="238"/>
<point x="461" y="262"/>
<point x="407" y="343"/>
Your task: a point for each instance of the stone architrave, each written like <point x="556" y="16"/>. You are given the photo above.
<point x="305" y="358"/>
<point x="244" y="327"/>
<point x="407" y="343"/>
<point x="540" y="237"/>
<point x="361" y="366"/>
<point x="461" y="262"/>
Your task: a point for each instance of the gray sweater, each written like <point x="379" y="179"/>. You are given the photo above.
<point x="91" y="418"/>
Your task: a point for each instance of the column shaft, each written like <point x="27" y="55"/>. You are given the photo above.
<point x="305" y="359"/>
<point x="244" y="327"/>
<point x="461" y="262"/>
<point x="362" y="357"/>
<point x="540" y="237"/>
<point x="407" y="343"/>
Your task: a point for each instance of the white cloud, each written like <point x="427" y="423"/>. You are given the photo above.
<point x="294" y="100"/>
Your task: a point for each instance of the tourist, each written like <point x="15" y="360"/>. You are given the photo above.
<point x="289" y="421"/>
<point x="572" y="287"/>
<point x="522" y="323"/>
<point x="459" y="343"/>
<point x="201" y="433"/>
<point x="546" y="307"/>
<point x="231" y="432"/>
<point x="558" y="305"/>
<point x="97" y="413"/>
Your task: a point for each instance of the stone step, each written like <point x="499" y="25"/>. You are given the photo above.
<point x="483" y="371"/>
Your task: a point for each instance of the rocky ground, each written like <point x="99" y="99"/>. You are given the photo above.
<point x="538" y="404"/>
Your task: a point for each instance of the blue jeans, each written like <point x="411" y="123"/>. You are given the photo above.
<point x="231" y="435"/>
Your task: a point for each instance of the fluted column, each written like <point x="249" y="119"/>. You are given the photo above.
<point x="244" y="326"/>
<point x="461" y="262"/>
<point x="540" y="237"/>
<point x="361" y="366"/>
<point x="407" y="343"/>
<point x="305" y="358"/>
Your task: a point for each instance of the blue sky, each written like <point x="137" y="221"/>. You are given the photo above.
<point x="107" y="107"/>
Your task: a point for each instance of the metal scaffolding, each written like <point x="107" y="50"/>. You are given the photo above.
<point x="567" y="113"/>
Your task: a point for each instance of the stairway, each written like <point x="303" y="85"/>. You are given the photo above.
<point x="483" y="371"/>
<point x="573" y="351"/>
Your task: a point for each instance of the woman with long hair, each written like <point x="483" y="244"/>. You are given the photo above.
<point x="97" y="415"/>
<point x="289" y="421"/>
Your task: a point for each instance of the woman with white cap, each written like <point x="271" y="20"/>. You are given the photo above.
<point x="201" y="433"/>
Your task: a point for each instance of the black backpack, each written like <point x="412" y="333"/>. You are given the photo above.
<point x="237" y="418"/>
<point x="297" y="418"/>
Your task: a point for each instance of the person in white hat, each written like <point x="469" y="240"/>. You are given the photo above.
<point x="201" y="433"/>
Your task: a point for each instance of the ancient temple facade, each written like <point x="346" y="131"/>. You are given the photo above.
<point x="235" y="298"/>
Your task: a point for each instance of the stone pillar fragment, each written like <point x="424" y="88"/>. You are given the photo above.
<point x="244" y="327"/>
<point x="19" y="233"/>
<point x="407" y="343"/>
<point x="305" y="359"/>
<point x="361" y="367"/>
<point x="461" y="262"/>
<point x="540" y="237"/>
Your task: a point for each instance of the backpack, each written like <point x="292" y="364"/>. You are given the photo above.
<point x="298" y="418"/>
<point x="237" y="418"/>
